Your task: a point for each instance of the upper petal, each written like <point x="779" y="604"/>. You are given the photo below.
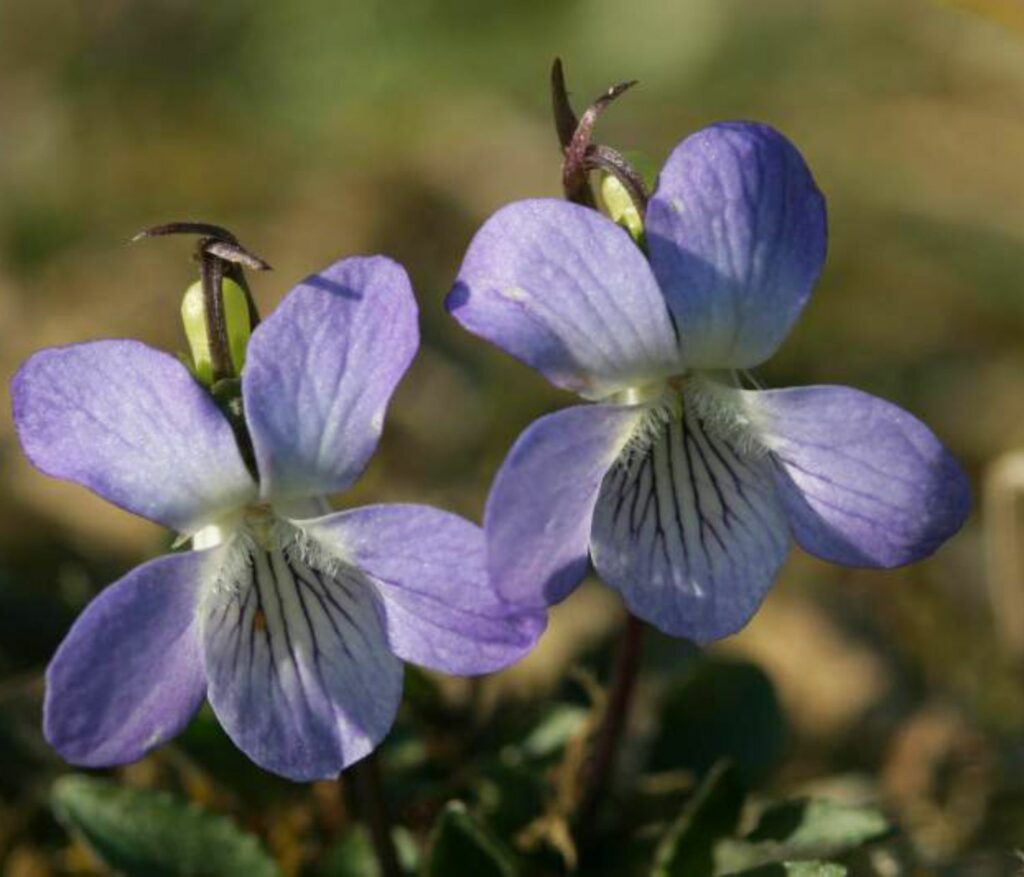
<point x="131" y="424"/>
<point x="689" y="529"/>
<point x="737" y="236"/>
<point x="864" y="483"/>
<point x="541" y="505"/>
<point x="129" y="674"/>
<point x="319" y="373"/>
<point x="429" y="568"/>
<point x="567" y="291"/>
<point x="300" y="674"/>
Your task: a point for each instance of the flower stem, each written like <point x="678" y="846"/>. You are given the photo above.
<point x="216" y="322"/>
<point x="616" y="715"/>
<point x="371" y="803"/>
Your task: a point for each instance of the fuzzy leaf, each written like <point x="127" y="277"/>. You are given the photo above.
<point x="794" y="869"/>
<point x="712" y="813"/>
<point x="824" y="827"/>
<point x="721" y="709"/>
<point x="152" y="834"/>
<point x="802" y="830"/>
<point x="460" y="844"/>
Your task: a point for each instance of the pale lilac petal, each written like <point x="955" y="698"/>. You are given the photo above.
<point x="129" y="674"/>
<point x="689" y="530"/>
<point x="320" y="371"/>
<point x="299" y="670"/>
<point x="541" y="506"/>
<point x="864" y="483"/>
<point x="737" y="236"/>
<point x="567" y="291"/>
<point x="429" y="568"/>
<point x="132" y="425"/>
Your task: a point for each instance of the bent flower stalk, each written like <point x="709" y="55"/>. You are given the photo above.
<point x="684" y="487"/>
<point x="292" y="621"/>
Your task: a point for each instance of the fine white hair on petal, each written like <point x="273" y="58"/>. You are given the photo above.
<point x="723" y="411"/>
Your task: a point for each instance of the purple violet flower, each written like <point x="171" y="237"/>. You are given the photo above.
<point x="685" y="487"/>
<point x="290" y="620"/>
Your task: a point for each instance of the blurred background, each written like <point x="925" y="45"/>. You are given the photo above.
<point x="316" y="129"/>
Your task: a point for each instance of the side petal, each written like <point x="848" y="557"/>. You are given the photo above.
<point x="130" y="423"/>
<point x="129" y="674"/>
<point x="737" y="235"/>
<point x="541" y="505"/>
<point x="689" y="530"/>
<point x="864" y="483"/>
<point x="429" y="568"/>
<point x="566" y="291"/>
<point x="299" y="670"/>
<point x="320" y="371"/>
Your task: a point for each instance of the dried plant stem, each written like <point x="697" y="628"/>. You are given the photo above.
<point x="613" y="724"/>
<point x="373" y="808"/>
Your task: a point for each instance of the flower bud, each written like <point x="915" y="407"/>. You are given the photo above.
<point x="615" y="198"/>
<point x="620" y="207"/>
<point x="236" y="317"/>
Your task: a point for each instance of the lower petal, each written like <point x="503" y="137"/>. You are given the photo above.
<point x="541" y="506"/>
<point x="428" y="566"/>
<point x="689" y="529"/>
<point x="863" y="482"/>
<point x="129" y="674"/>
<point x="299" y="670"/>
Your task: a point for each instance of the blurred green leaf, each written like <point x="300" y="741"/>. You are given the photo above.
<point x="353" y="855"/>
<point x="794" y="869"/>
<point x="712" y="813"/>
<point x="152" y="834"/>
<point x="460" y="844"/>
<point x="721" y="710"/>
<point x="554" y="730"/>
<point x="799" y="830"/>
<point x="820" y="825"/>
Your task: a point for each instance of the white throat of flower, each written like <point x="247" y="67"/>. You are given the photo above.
<point x="260" y="520"/>
<point x="715" y="399"/>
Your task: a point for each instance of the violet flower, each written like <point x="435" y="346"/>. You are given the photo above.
<point x="685" y="487"/>
<point x="293" y="623"/>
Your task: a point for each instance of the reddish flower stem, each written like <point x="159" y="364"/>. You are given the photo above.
<point x="616" y="716"/>
<point x="373" y="808"/>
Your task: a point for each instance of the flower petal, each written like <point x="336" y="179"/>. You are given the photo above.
<point x="299" y="670"/>
<point x="566" y="291"/>
<point x="129" y="674"/>
<point x="689" y="529"/>
<point x="864" y="483"/>
<point x="132" y="425"/>
<point x="541" y="506"/>
<point x="737" y="235"/>
<point x="320" y="371"/>
<point x="430" y="571"/>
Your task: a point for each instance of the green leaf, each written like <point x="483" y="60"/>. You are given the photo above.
<point x="800" y="830"/>
<point x="549" y="737"/>
<point x="152" y="834"/>
<point x="354" y="856"/>
<point x="794" y="869"/>
<point x="460" y="844"/>
<point x="820" y="826"/>
<point x="721" y="709"/>
<point x="712" y="813"/>
<point x="351" y="856"/>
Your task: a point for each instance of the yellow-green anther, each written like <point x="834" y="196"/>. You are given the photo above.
<point x="236" y="315"/>
<point x="620" y="207"/>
